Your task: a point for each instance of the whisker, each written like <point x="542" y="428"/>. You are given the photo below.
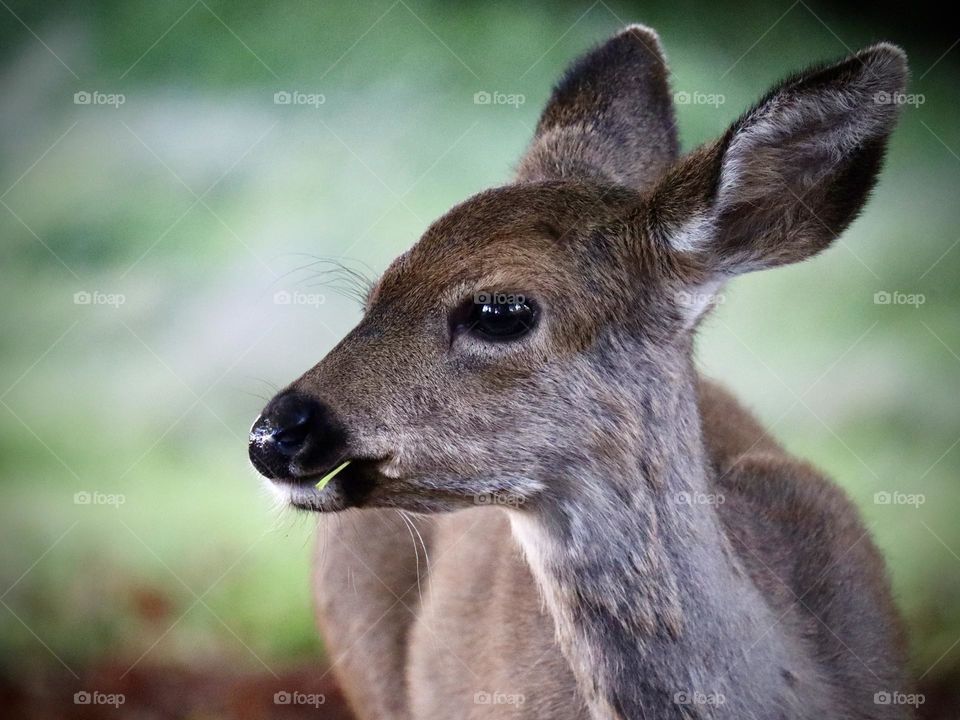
<point x="355" y="283"/>
<point x="416" y="551"/>
<point x="426" y="554"/>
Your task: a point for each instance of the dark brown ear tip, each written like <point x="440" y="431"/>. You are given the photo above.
<point x="641" y="36"/>
<point x="887" y="50"/>
<point x="886" y="60"/>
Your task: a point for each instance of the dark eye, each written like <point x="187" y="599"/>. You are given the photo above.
<point x="499" y="317"/>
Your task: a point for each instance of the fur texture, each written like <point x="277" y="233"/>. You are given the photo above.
<point x="652" y="553"/>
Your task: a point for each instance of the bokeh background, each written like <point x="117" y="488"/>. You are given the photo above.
<point x="174" y="177"/>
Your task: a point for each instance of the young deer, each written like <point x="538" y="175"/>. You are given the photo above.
<point x="533" y="352"/>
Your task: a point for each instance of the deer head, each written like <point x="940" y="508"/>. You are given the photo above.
<point x="538" y="336"/>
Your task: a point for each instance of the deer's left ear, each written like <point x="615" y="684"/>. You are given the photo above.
<point x="789" y="175"/>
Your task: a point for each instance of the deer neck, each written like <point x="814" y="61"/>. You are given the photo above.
<point x="651" y="605"/>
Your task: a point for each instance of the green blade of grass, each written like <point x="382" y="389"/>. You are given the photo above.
<point x="330" y="475"/>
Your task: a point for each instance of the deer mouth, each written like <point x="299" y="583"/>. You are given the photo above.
<point x="347" y="488"/>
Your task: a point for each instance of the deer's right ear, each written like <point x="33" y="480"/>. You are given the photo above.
<point x="610" y="119"/>
<point x="788" y="176"/>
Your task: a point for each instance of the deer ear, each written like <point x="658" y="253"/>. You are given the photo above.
<point x="789" y="175"/>
<point x="610" y="119"/>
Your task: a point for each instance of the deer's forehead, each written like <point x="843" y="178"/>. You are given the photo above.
<point x="442" y="272"/>
<point x="520" y="237"/>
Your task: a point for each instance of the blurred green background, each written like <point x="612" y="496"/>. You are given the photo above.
<point x="185" y="195"/>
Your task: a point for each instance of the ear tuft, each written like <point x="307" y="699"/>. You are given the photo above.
<point x="610" y="119"/>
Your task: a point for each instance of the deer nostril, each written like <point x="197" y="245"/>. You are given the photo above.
<point x="292" y="421"/>
<point x="291" y="436"/>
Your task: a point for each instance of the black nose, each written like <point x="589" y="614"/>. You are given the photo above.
<point x="294" y="436"/>
<point x="291" y="421"/>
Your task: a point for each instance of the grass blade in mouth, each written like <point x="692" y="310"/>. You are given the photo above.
<point x="330" y="475"/>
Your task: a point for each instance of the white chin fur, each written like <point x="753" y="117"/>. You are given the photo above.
<point x="306" y="497"/>
<point x="281" y="494"/>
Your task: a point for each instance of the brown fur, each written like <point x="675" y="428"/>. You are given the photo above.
<point x="655" y="552"/>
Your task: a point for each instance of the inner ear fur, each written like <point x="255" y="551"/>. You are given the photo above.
<point x="788" y="176"/>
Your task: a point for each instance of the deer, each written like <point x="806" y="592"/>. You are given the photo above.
<point x="606" y="532"/>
